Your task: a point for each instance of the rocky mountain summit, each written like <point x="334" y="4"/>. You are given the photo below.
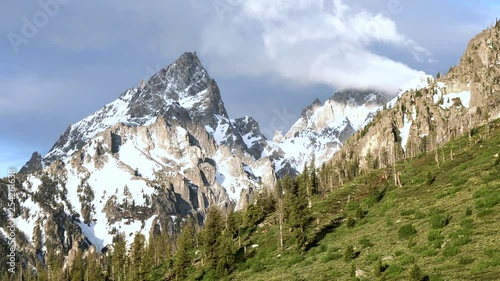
<point x="322" y="129"/>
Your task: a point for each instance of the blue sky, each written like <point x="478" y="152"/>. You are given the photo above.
<point x="61" y="60"/>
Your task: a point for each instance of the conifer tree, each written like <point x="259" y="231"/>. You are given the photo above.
<point x="137" y="258"/>
<point x="280" y="211"/>
<point x="299" y="213"/>
<point x="313" y="177"/>
<point x="305" y="182"/>
<point x="42" y="272"/>
<point x="93" y="270"/>
<point x="119" y="259"/>
<point x="211" y="233"/>
<point x="183" y="255"/>
<point x="164" y="249"/>
<point x="77" y="271"/>
<point x="225" y="263"/>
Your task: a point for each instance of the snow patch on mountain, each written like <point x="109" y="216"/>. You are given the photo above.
<point x="418" y="82"/>
<point x="405" y="131"/>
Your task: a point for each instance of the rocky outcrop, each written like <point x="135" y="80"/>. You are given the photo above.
<point x="430" y="112"/>
<point x="322" y="129"/>
<point x="33" y="165"/>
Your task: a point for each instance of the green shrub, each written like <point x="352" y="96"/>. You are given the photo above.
<point x="257" y="266"/>
<point x="351" y="206"/>
<point x="435" y="238"/>
<point x="349" y="253"/>
<point x="406" y="231"/>
<point x="491" y="252"/>
<point x="461" y="236"/>
<point x="459" y="182"/>
<point x="465" y="260"/>
<point x="411" y="242"/>
<point x="334" y="249"/>
<point x="406" y="213"/>
<point x="380" y="267"/>
<point x="360" y="213"/>
<point x="320" y="249"/>
<point x="371" y="257"/>
<point x="394" y="269"/>
<point x="484" y="213"/>
<point x="330" y="257"/>
<point x="406" y="259"/>
<point x="350" y="222"/>
<point x="419" y="215"/>
<point x="365" y="242"/>
<point x="439" y="220"/>
<point x="416" y="273"/>
<point x="450" y="251"/>
<point x="487" y="197"/>
<point x="295" y="259"/>
<point x="353" y="270"/>
<point x="427" y="251"/>
<point x="430" y="178"/>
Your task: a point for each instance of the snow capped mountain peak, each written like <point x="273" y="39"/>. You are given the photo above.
<point x="419" y="81"/>
<point x="182" y="91"/>
<point x="322" y="128"/>
<point x="306" y="112"/>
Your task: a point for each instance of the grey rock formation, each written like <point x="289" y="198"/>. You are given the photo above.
<point x="33" y="165"/>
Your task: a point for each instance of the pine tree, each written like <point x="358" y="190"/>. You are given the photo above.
<point x="158" y="251"/>
<point x="183" y="255"/>
<point x="42" y="272"/>
<point x="299" y="213"/>
<point x="164" y="249"/>
<point x="211" y="237"/>
<point x="313" y="177"/>
<point x="305" y="183"/>
<point x="94" y="270"/>
<point x="234" y="225"/>
<point x="138" y="268"/>
<point x="119" y="259"/>
<point x="225" y="263"/>
<point x="77" y="271"/>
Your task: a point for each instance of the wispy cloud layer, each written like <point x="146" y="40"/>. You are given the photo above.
<point x="311" y="41"/>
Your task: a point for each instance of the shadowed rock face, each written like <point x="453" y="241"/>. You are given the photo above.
<point x="250" y="131"/>
<point x="358" y="97"/>
<point x="33" y="165"/>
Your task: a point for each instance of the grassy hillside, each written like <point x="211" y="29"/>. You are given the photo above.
<point x="443" y="224"/>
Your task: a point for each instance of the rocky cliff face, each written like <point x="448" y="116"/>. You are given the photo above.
<point x="428" y="113"/>
<point x="322" y="129"/>
<point x="34" y="164"/>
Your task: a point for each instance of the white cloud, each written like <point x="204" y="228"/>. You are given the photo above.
<point x="307" y="42"/>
